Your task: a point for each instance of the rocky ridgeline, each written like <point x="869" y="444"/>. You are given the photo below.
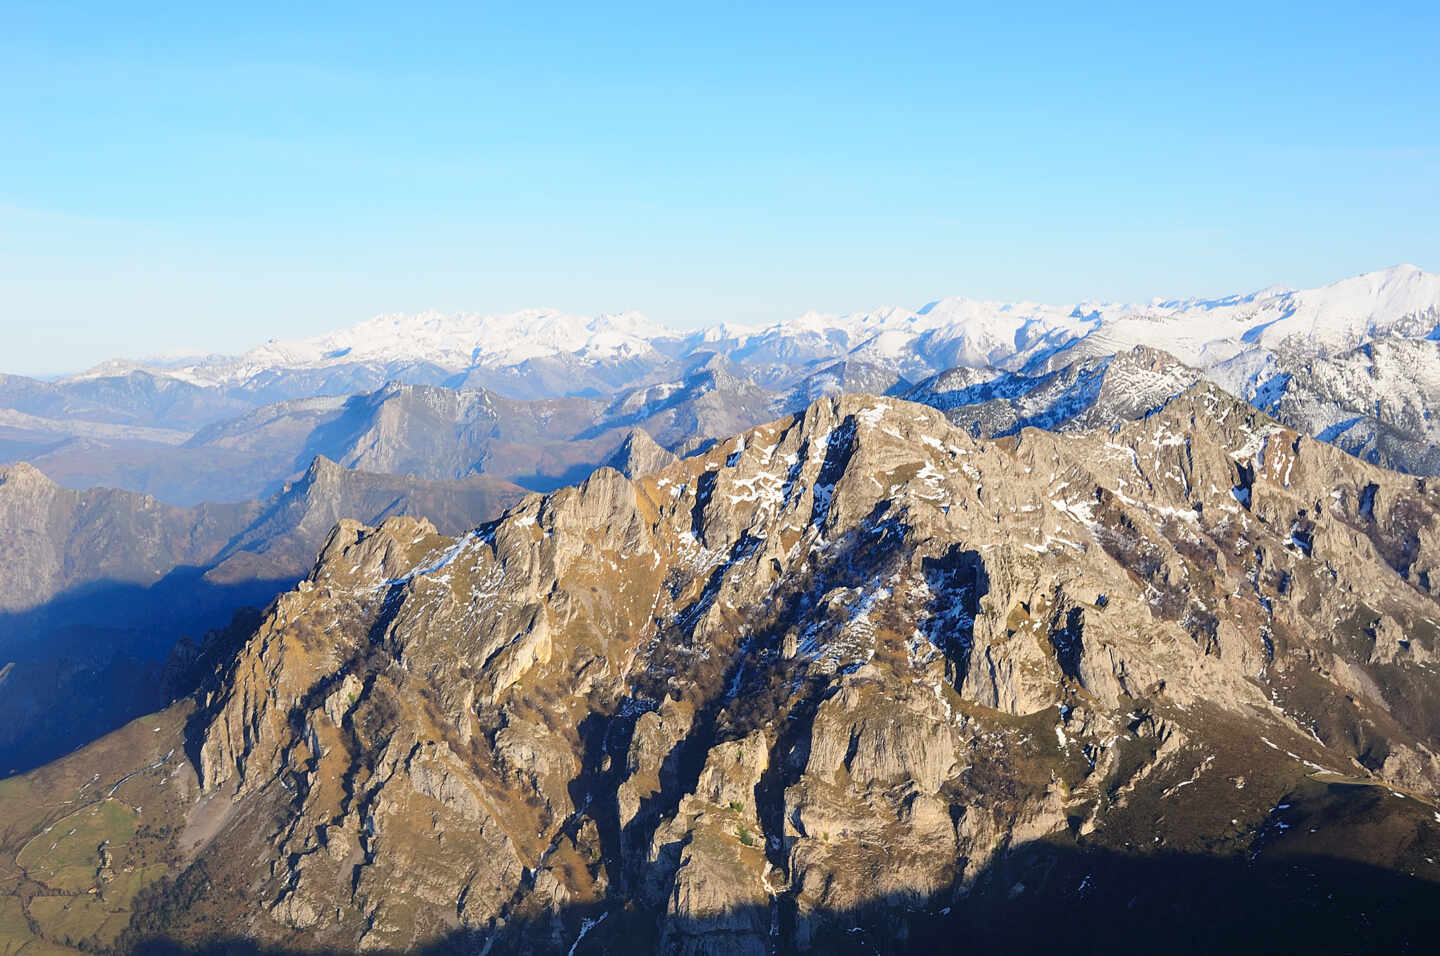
<point x="1373" y="401"/>
<point x="814" y="687"/>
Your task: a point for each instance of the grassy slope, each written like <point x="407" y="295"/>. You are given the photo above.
<point x="80" y="837"/>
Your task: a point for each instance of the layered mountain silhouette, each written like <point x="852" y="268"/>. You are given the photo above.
<point x="855" y="679"/>
<point x="98" y="586"/>
<point x="1008" y="624"/>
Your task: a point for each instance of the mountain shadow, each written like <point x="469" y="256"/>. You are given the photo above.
<point x="1039" y="898"/>
<point x="95" y="656"/>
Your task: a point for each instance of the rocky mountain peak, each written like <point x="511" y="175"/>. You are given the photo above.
<point x="22" y="476"/>
<point x="704" y="690"/>
<point x="322" y="471"/>
<point x="639" y="455"/>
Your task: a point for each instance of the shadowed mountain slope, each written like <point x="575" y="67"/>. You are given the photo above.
<point x="97" y="586"/>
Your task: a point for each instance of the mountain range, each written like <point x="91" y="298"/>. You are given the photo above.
<point x="854" y="680"/>
<point x="848" y="633"/>
<point x="539" y="398"/>
<point x="540" y="353"/>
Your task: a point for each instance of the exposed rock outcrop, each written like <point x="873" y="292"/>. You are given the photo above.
<point x="639" y="455"/>
<point x="824" y="680"/>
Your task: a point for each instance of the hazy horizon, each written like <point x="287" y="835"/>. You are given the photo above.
<point x="180" y="353"/>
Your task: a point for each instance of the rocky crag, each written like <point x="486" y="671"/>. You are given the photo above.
<point x="851" y="681"/>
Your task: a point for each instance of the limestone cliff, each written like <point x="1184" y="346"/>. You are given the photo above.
<point x="825" y="686"/>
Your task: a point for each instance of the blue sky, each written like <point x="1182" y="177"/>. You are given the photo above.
<point x="207" y="177"/>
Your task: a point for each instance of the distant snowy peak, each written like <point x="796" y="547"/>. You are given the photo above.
<point x="1238" y="331"/>
<point x="454" y="342"/>
<point x="468" y="340"/>
<point x="1403" y="299"/>
<point x="1235" y="338"/>
<point x="940" y="334"/>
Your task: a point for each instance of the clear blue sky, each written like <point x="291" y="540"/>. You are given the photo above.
<point x="213" y="175"/>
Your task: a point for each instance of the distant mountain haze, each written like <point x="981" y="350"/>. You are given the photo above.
<point x="539" y="398"/>
<point x="96" y="587"/>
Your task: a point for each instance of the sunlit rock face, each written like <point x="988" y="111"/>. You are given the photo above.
<point x="832" y="684"/>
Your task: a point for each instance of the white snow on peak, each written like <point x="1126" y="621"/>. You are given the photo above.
<point x="466" y="340"/>
<point x="451" y="341"/>
<point x="1237" y="332"/>
<point x="1402" y="300"/>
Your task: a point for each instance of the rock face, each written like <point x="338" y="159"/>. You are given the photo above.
<point x="639" y="455"/>
<point x="1100" y="391"/>
<point x="849" y="377"/>
<point x="832" y="684"/>
<point x="1374" y="401"/>
<point x="293" y="524"/>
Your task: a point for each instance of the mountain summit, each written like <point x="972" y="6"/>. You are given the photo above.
<point x="852" y="679"/>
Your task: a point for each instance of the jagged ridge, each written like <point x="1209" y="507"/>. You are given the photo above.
<point x="837" y="664"/>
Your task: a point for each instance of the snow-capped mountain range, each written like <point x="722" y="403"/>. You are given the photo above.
<point x="1356" y="363"/>
<point x="1236" y="339"/>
